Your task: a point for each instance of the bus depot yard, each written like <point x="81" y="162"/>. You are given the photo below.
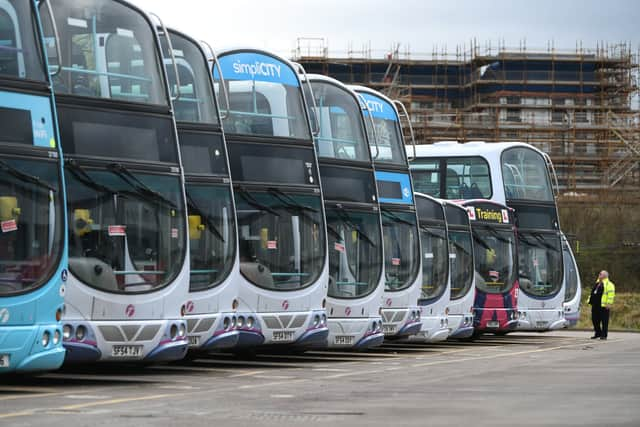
<point x="569" y="381"/>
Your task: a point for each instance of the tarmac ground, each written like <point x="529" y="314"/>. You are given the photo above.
<point x="521" y="379"/>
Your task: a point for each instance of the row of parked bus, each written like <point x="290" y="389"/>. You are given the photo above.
<point x="157" y="197"/>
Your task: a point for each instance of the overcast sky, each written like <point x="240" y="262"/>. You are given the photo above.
<point x="418" y="24"/>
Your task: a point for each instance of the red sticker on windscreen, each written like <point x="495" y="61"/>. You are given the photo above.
<point x="174" y="233"/>
<point x="339" y="247"/>
<point x="117" y="230"/>
<point x="395" y="261"/>
<point x="272" y="244"/>
<point x="9" y="226"/>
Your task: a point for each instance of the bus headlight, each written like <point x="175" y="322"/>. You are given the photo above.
<point x="316" y="320"/>
<point x="233" y="321"/>
<point x="250" y="321"/>
<point x="46" y="336"/>
<point x="67" y="330"/>
<point x="182" y="331"/>
<point x="81" y="332"/>
<point x="240" y="323"/>
<point x="226" y="323"/>
<point x="56" y="337"/>
<point x="324" y="319"/>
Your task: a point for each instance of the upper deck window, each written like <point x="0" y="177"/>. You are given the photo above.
<point x="390" y="145"/>
<point x="342" y="133"/>
<point x="524" y="172"/>
<point x="108" y="51"/>
<point x="456" y="178"/>
<point x="264" y="96"/>
<point x="20" y="55"/>
<point x="195" y="103"/>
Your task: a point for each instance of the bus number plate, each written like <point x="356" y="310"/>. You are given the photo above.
<point x="493" y="324"/>
<point x="126" y="351"/>
<point x="343" y="340"/>
<point x="194" y="340"/>
<point x="4" y="360"/>
<point x="389" y="329"/>
<point x="280" y="336"/>
<point x="541" y="324"/>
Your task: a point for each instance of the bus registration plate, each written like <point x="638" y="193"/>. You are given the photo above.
<point x="493" y="324"/>
<point x="194" y="340"/>
<point x="4" y="360"/>
<point x="389" y="328"/>
<point x="281" y="336"/>
<point x="126" y="351"/>
<point x="343" y="340"/>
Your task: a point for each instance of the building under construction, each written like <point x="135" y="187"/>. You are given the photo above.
<point x="575" y="105"/>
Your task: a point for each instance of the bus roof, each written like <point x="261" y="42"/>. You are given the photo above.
<point x="471" y="148"/>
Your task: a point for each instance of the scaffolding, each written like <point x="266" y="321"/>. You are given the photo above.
<point x="577" y="105"/>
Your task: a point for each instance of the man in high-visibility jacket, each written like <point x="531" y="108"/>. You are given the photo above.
<point x="601" y="304"/>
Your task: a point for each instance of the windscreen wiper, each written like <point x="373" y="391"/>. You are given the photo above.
<point x="396" y="218"/>
<point x="431" y="232"/>
<point x="289" y="201"/>
<point x="255" y="203"/>
<point x="497" y="235"/>
<point x="540" y="239"/>
<point x="11" y="170"/>
<point x="482" y="242"/>
<point x="81" y="175"/>
<point x="344" y="215"/>
<point x="140" y="187"/>
<point x="193" y="206"/>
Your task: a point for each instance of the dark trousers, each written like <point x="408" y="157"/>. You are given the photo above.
<point x="600" y="319"/>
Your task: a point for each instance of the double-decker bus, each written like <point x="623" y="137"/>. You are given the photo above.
<point x="33" y="261"/>
<point x="436" y="284"/>
<point x="128" y="247"/>
<point x="495" y="307"/>
<point x="518" y="175"/>
<point x="354" y="232"/>
<point x="573" y="285"/>
<point x="210" y="310"/>
<point x="461" y="271"/>
<point x="279" y="210"/>
<point x="401" y="241"/>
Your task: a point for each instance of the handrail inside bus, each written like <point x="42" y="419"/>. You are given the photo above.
<point x="223" y="86"/>
<point x="405" y="113"/>
<point x="56" y="36"/>
<point x="173" y="57"/>
<point x="365" y="106"/>
<point x="316" y="121"/>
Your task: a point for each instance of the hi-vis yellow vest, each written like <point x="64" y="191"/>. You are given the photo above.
<point x="608" y="292"/>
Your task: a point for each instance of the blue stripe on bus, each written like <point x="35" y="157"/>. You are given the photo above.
<point x="380" y="109"/>
<point x="40" y="109"/>
<point x="254" y="66"/>
<point x="405" y="186"/>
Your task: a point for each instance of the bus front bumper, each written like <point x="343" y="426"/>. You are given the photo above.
<point x="355" y="333"/>
<point x="540" y="320"/>
<point x="400" y="322"/>
<point x="22" y="349"/>
<point x="161" y="340"/>
<point x="461" y="326"/>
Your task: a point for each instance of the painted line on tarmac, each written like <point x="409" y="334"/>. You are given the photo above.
<point x="29" y="395"/>
<point x="85" y="405"/>
<point x="495" y="356"/>
<point x="247" y="374"/>
<point x="274" y="383"/>
<point x="114" y="401"/>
